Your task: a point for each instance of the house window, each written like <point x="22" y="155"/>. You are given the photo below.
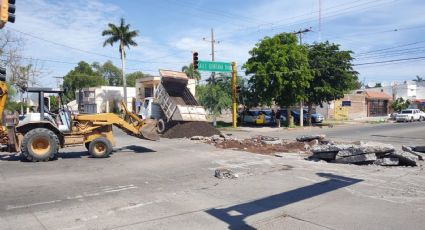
<point x="148" y="92"/>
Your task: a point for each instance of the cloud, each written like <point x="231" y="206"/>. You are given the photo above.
<point x="238" y="27"/>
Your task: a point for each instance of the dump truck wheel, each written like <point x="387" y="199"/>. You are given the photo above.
<point x="100" y="147"/>
<point x="40" y="144"/>
<point x="161" y="126"/>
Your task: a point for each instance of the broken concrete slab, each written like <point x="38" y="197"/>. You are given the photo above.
<point x="329" y="156"/>
<point x="197" y="138"/>
<point x="375" y="147"/>
<point x="330" y="148"/>
<point x="405" y="158"/>
<point x="327" y="142"/>
<point x="350" y="152"/>
<point x="357" y="159"/>
<point x="225" y="173"/>
<point x="387" y="161"/>
<point x="419" y="148"/>
<point x="420" y="155"/>
<point x="313" y="143"/>
<point x="307" y="138"/>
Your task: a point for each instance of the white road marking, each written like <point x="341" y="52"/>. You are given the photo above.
<point x="121" y="189"/>
<point x="11" y="207"/>
<point x="76" y="197"/>
<point x="132" y="206"/>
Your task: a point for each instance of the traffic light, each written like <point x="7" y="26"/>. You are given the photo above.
<point x="2" y="74"/>
<point x="195" y="60"/>
<point x="7" y="13"/>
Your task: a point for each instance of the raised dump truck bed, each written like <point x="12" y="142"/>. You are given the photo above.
<point x="175" y="99"/>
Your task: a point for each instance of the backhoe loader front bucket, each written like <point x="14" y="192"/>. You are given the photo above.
<point x="148" y="130"/>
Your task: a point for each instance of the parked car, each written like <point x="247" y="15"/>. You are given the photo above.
<point x="253" y="117"/>
<point x="410" y="115"/>
<point x="315" y="117"/>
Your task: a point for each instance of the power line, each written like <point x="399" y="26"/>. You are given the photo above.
<point x="389" y="61"/>
<point x="416" y="50"/>
<point x="390" y="48"/>
<point x="337" y="13"/>
<point x="85" y="51"/>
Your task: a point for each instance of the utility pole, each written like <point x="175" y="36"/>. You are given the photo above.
<point x="58" y="80"/>
<point x="300" y="33"/>
<point x="320" y="20"/>
<point x="213" y="42"/>
<point x="234" y="95"/>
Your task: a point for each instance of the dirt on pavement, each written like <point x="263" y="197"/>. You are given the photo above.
<point x="257" y="145"/>
<point x="189" y="129"/>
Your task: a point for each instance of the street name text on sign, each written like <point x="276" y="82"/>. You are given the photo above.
<point x="214" y="66"/>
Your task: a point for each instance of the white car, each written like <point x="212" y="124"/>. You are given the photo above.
<point x="410" y="115"/>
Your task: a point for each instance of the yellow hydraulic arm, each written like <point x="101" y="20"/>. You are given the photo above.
<point x="3" y="98"/>
<point x="130" y="124"/>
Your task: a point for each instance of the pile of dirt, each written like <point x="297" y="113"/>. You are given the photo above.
<point x="189" y="129"/>
<point x="258" y="145"/>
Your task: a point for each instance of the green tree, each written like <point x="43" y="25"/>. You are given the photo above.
<point x="399" y="104"/>
<point x="191" y="72"/>
<point x="54" y="103"/>
<point x="215" y="97"/>
<point x="80" y="77"/>
<point x="333" y="74"/>
<point x="109" y="72"/>
<point x="132" y="77"/>
<point x="124" y="36"/>
<point x="280" y="71"/>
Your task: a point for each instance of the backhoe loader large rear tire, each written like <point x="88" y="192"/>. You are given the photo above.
<point x="100" y="147"/>
<point x="40" y="144"/>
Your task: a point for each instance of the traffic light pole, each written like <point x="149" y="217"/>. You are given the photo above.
<point x="234" y="101"/>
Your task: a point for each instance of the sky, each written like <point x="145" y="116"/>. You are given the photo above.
<point x="59" y="34"/>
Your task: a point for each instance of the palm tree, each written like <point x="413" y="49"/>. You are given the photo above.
<point x="191" y="72"/>
<point x="418" y="79"/>
<point x="124" y="36"/>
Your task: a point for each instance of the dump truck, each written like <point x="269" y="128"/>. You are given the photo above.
<point x="40" y="135"/>
<point x="174" y="103"/>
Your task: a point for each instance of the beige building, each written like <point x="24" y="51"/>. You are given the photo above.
<point x="358" y="104"/>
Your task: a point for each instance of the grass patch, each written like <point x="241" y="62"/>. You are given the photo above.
<point x="222" y="124"/>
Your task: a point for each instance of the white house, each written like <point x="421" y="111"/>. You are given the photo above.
<point x="105" y="99"/>
<point x="407" y="90"/>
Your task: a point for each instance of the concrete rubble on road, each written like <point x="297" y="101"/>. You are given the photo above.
<point x="322" y="149"/>
<point x="366" y="153"/>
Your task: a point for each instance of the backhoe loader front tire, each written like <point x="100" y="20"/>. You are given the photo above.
<point x="40" y="144"/>
<point x="100" y="147"/>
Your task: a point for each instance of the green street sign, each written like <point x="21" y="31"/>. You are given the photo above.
<point x="214" y="66"/>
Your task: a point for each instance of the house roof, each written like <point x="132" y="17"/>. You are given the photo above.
<point x="377" y="95"/>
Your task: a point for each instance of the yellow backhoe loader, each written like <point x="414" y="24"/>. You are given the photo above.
<point x="40" y="135"/>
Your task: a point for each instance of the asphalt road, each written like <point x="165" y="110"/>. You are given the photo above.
<point x="170" y="185"/>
